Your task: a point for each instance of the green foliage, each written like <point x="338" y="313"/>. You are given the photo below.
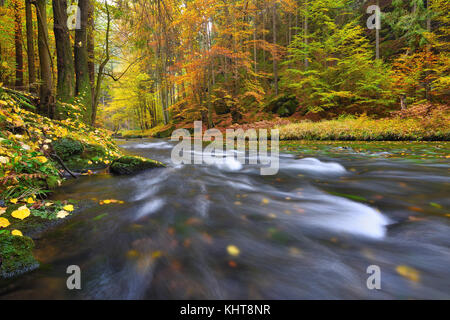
<point x="16" y="255"/>
<point x="68" y="147"/>
<point x="284" y="106"/>
<point x="366" y="129"/>
<point x="341" y="71"/>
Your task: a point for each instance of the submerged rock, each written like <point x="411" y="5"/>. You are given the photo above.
<point x="16" y="255"/>
<point x="133" y="165"/>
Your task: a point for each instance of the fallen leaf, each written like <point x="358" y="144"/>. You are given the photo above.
<point x="408" y="273"/>
<point x="4" y="223"/>
<point x="68" y="208"/>
<point x="62" y="214"/>
<point x="233" y="250"/>
<point x="21" y="213"/>
<point x="17" y="233"/>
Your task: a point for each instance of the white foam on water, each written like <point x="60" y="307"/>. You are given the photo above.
<point x="228" y="164"/>
<point x="314" y="165"/>
<point x="150" y="208"/>
<point x="149" y="145"/>
<point x="343" y="215"/>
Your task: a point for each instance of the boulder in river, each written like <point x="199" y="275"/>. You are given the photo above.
<point x="132" y="165"/>
<point x="16" y="255"/>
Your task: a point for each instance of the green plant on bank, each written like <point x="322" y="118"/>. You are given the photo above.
<point x="32" y="151"/>
<point x="367" y="129"/>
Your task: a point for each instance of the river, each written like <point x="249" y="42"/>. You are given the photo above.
<point x="226" y="232"/>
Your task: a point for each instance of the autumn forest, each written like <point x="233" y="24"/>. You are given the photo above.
<point x="354" y="95"/>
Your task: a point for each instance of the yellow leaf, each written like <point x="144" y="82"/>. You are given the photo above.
<point x="17" y="233"/>
<point x="4" y="223"/>
<point x="13" y="201"/>
<point x="2" y="210"/>
<point x="62" y="214"/>
<point x="30" y="200"/>
<point x="68" y="208"/>
<point x="265" y="201"/>
<point x="42" y="159"/>
<point x="408" y="273"/>
<point x="21" y="213"/>
<point x="156" y="254"/>
<point x="233" y="250"/>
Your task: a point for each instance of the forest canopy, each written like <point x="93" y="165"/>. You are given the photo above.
<point x="142" y="64"/>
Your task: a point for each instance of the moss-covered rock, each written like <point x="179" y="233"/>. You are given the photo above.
<point x="132" y="165"/>
<point x="16" y="255"/>
<point x="284" y="106"/>
<point x="66" y="148"/>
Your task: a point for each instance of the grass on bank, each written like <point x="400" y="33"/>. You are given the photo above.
<point x="367" y="129"/>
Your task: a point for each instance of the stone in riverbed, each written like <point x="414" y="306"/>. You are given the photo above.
<point x="133" y="165"/>
<point x="16" y="255"/>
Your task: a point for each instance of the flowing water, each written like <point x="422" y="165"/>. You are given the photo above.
<point x="226" y="232"/>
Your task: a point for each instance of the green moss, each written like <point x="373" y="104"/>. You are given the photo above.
<point x="131" y="165"/>
<point x="66" y="148"/>
<point x="16" y="255"/>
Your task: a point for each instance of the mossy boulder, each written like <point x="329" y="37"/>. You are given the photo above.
<point x="165" y="132"/>
<point x="16" y="255"/>
<point x="284" y="106"/>
<point x="66" y="148"/>
<point x="132" y="165"/>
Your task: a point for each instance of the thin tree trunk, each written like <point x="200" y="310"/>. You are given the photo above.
<point x="377" y="33"/>
<point x="18" y="43"/>
<point x="83" y="84"/>
<point x="306" y="34"/>
<point x="47" y="100"/>
<point x="30" y="46"/>
<point x="65" y="90"/>
<point x="275" y="59"/>
<point x="101" y="69"/>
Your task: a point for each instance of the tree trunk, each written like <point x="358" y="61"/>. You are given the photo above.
<point x="275" y="59"/>
<point x="47" y="100"/>
<point x="30" y="47"/>
<point x="306" y="35"/>
<point x="18" y="43"/>
<point x="83" y="83"/>
<point x="66" y="70"/>
<point x="377" y="32"/>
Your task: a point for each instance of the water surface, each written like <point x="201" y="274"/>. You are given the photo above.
<point x="310" y="232"/>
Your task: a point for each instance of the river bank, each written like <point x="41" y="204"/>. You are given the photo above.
<point x="37" y="155"/>
<point x="418" y="123"/>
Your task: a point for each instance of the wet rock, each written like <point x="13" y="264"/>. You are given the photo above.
<point x="133" y="165"/>
<point x="16" y="255"/>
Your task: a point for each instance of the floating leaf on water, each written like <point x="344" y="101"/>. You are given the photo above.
<point x="265" y="201"/>
<point x="435" y="205"/>
<point x="233" y="250"/>
<point x="349" y="196"/>
<point x="99" y="217"/>
<point x="232" y="264"/>
<point x="156" y="254"/>
<point x="408" y="273"/>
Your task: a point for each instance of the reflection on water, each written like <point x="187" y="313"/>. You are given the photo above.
<point x="309" y="232"/>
